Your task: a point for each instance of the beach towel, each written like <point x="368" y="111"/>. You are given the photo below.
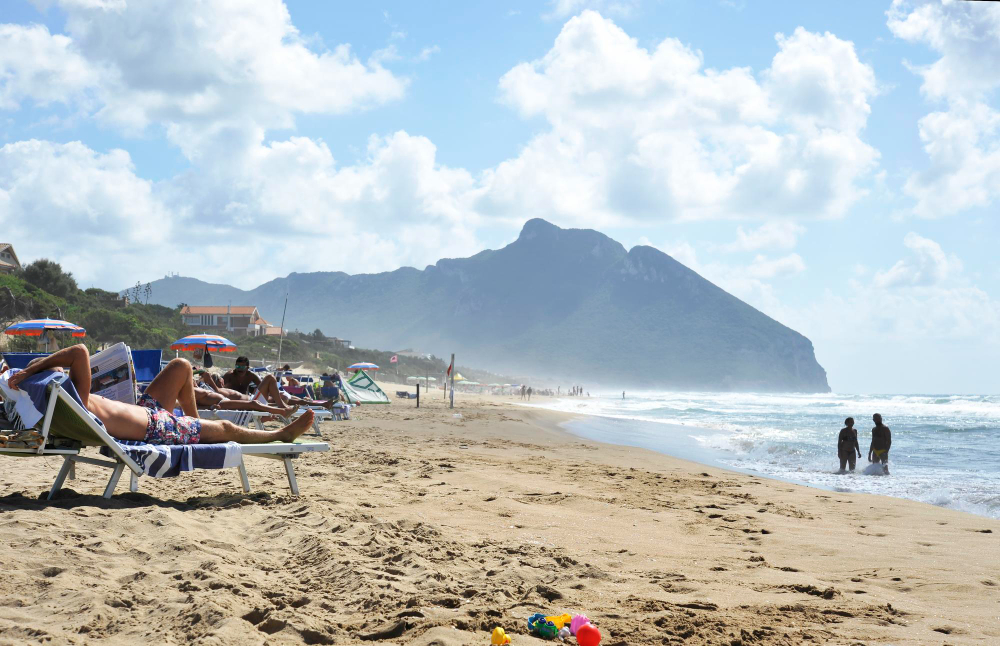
<point x="168" y="461"/>
<point x="29" y="399"/>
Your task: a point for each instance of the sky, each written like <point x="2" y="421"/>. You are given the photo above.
<point x="835" y="165"/>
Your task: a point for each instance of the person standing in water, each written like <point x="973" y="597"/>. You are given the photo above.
<point x="623" y="394"/>
<point x="847" y="445"/>
<point x="881" y="442"/>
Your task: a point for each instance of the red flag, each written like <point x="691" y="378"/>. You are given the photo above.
<point x="394" y="359"/>
<point x="449" y="371"/>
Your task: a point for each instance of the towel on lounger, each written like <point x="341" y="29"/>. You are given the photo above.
<point x="161" y="461"/>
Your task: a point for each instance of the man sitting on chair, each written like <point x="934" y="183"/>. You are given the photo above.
<point x="151" y="420"/>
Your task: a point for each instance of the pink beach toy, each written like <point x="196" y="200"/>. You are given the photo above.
<point x="576" y="622"/>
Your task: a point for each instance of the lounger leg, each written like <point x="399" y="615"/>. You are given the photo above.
<point x="72" y="469"/>
<point x="67" y="466"/>
<point x="290" y="472"/>
<point x="113" y="482"/>
<point x="243" y="477"/>
<point x="133" y="482"/>
<point x="316" y="427"/>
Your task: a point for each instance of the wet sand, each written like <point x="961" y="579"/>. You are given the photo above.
<point x="421" y="528"/>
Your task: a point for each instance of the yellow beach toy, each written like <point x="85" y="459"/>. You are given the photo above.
<point x="559" y="620"/>
<point x="499" y="637"/>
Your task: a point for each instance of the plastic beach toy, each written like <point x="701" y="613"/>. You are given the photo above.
<point x="499" y="637"/>
<point x="564" y="633"/>
<point x="540" y="626"/>
<point x="578" y="620"/>
<point x="588" y="635"/>
<point x="559" y="620"/>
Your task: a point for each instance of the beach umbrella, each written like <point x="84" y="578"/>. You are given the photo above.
<point x="37" y="326"/>
<point x="206" y="342"/>
<point x="362" y="366"/>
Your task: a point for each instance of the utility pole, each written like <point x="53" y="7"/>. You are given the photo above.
<point x="453" y="368"/>
<point x="281" y="336"/>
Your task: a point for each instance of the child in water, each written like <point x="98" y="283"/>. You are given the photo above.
<point x="847" y="445"/>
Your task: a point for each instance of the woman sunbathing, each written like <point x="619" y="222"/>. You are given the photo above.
<point x="152" y="420"/>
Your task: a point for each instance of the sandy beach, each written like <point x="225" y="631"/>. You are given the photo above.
<point x="422" y="528"/>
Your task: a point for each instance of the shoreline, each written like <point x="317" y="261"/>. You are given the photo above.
<point x="691" y="450"/>
<point x="422" y="528"/>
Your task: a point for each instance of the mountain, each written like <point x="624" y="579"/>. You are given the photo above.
<point x="567" y="303"/>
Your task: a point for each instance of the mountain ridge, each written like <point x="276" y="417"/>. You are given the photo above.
<point x="567" y="303"/>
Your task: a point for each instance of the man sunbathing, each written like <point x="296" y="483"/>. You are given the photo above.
<point x="216" y="398"/>
<point x="151" y="420"/>
<point x="238" y="381"/>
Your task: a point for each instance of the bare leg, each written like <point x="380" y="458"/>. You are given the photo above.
<point x="283" y="411"/>
<point x="215" y="431"/>
<point x="268" y="387"/>
<point x="175" y="384"/>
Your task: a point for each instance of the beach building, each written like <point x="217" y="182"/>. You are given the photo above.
<point x="8" y="259"/>
<point x="232" y="319"/>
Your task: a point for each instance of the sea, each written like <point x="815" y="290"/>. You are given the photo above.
<point x="945" y="448"/>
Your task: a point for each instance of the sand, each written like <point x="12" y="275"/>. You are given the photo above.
<point x="422" y="528"/>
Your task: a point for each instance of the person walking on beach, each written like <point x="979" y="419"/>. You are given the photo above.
<point x="623" y="394"/>
<point x="881" y="441"/>
<point x="847" y="445"/>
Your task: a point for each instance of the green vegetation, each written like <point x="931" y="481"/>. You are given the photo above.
<point x="44" y="290"/>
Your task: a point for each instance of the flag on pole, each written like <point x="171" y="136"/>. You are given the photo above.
<point x="449" y="370"/>
<point x="394" y="359"/>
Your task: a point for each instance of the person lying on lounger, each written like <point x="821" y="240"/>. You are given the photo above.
<point x="151" y="420"/>
<point x="240" y="378"/>
<point x="210" y="398"/>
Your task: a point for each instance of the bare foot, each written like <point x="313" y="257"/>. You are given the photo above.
<point x="289" y="411"/>
<point x="296" y="428"/>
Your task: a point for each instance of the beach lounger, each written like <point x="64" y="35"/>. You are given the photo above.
<point x="66" y="427"/>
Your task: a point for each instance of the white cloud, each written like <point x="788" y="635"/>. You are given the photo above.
<point x="426" y="53"/>
<point x="965" y="34"/>
<point x="652" y="134"/>
<point x="922" y="297"/>
<point x="41" y="66"/>
<point x="200" y="69"/>
<point x="927" y="265"/>
<point x="766" y="268"/>
<point x="290" y="202"/>
<point x="778" y="234"/>
<point x="647" y="133"/>
<point x="69" y="203"/>
<point x="962" y="141"/>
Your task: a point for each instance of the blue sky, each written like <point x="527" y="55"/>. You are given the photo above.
<point x="833" y="164"/>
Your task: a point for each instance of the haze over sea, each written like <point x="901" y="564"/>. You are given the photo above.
<point x="945" y="448"/>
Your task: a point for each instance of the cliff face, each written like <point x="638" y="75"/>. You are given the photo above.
<point x="569" y="303"/>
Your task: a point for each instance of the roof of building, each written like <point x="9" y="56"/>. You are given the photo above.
<point x="6" y="246"/>
<point x="219" y="309"/>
